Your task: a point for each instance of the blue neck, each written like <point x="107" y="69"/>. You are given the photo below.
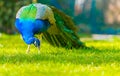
<point x="29" y="39"/>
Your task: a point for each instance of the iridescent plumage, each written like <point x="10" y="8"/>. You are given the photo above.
<point x="57" y="28"/>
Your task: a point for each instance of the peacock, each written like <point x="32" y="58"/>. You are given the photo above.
<point x="53" y="25"/>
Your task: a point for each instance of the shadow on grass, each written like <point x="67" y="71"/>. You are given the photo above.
<point x="81" y="56"/>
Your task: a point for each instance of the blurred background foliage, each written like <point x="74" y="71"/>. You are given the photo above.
<point x="90" y="16"/>
<point x="8" y="9"/>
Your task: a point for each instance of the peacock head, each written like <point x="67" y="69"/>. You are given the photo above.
<point x="32" y="40"/>
<point x="37" y="43"/>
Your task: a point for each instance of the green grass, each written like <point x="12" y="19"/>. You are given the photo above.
<point x="102" y="60"/>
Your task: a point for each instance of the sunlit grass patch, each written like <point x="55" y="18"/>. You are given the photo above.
<point x="102" y="60"/>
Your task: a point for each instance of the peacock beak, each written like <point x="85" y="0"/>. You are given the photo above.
<point x="35" y="43"/>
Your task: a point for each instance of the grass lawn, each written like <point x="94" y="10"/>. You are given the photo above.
<point x="104" y="60"/>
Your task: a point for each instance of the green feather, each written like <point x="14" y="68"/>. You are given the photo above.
<point x="67" y="35"/>
<point x="29" y="12"/>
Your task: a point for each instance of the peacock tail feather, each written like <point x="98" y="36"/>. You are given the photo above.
<point x="66" y="34"/>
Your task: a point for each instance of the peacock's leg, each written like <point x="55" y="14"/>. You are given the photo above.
<point x="28" y="49"/>
<point x="38" y="50"/>
<point x="40" y="37"/>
